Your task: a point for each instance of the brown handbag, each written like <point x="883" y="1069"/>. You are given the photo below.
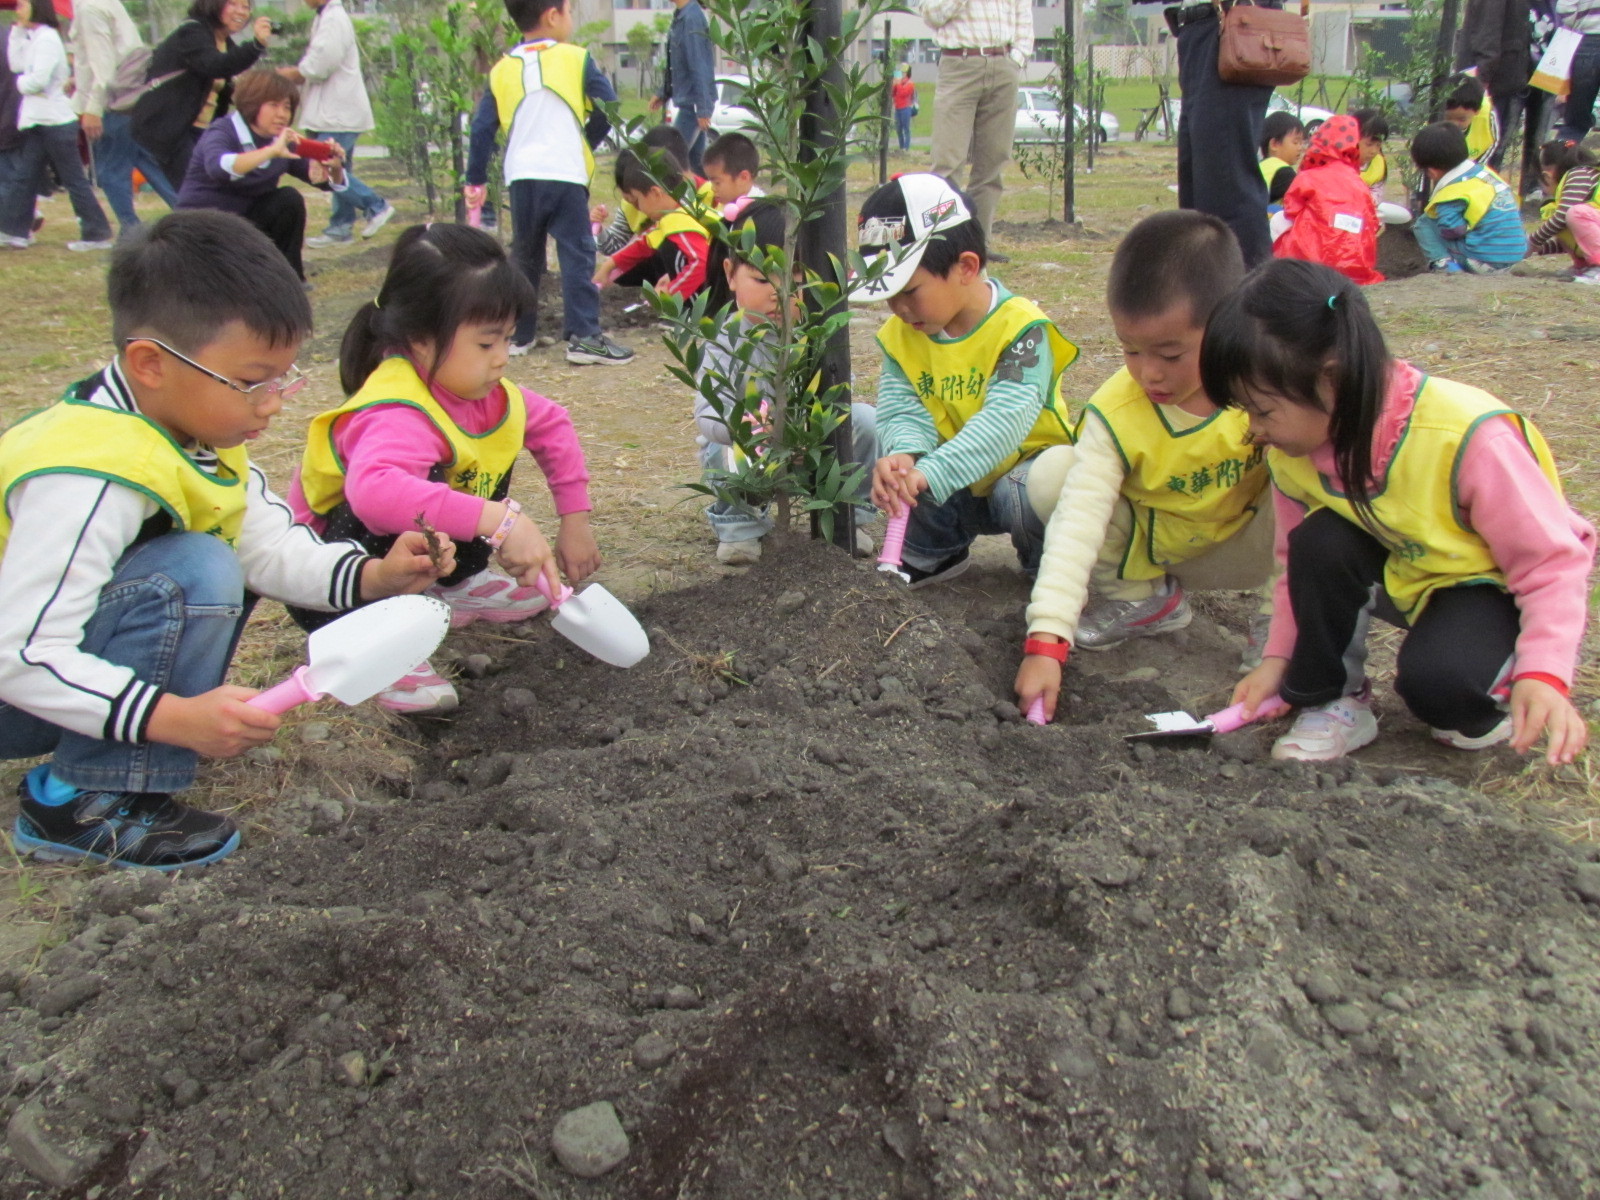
<point x="1265" y="47"/>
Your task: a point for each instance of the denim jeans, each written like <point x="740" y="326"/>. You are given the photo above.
<point x="1438" y="249"/>
<point x="357" y="200"/>
<point x="57" y="145"/>
<point x="116" y="155"/>
<point x="741" y="523"/>
<point x="544" y="208"/>
<point x="1577" y="116"/>
<point x="938" y="531"/>
<point x="902" y="124"/>
<point x="173" y="612"/>
<point x="687" y="122"/>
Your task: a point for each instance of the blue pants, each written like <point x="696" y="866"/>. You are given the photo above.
<point x="687" y="122"/>
<point x="1439" y="249"/>
<point x="116" y="155"/>
<point x="542" y="208"/>
<point x="902" y="124"/>
<point x="357" y="200"/>
<point x="173" y="612"/>
<point x="58" y="146"/>
<point x="938" y="531"/>
<point x="1577" y="115"/>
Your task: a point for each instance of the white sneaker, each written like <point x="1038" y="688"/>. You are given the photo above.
<point x="1460" y="741"/>
<point x="82" y="246"/>
<point x="324" y="239"/>
<point x="422" y="691"/>
<point x="14" y="243"/>
<point x="490" y="596"/>
<point x="1590" y="276"/>
<point x="1328" y="731"/>
<point x="518" y="349"/>
<point x="739" y="554"/>
<point x="378" y="220"/>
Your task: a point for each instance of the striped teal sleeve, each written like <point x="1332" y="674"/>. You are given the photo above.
<point x="905" y="426"/>
<point x="1017" y="392"/>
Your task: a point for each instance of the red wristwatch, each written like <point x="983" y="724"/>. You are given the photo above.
<point x="1055" y="650"/>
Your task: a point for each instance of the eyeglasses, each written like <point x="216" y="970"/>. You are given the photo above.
<point x="284" y="386"/>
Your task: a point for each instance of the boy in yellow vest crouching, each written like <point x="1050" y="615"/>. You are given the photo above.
<point x="672" y="249"/>
<point x="1162" y="488"/>
<point x="135" y="533"/>
<point x="968" y="395"/>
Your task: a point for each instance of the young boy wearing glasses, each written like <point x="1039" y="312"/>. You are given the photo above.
<point x="135" y="535"/>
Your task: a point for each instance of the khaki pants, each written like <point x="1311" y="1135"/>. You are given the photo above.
<point x="974" y="116"/>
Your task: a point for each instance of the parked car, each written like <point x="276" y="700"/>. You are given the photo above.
<point x="729" y="113"/>
<point x="1310" y="115"/>
<point x="1039" y="119"/>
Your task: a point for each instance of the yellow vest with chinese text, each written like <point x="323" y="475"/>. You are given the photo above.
<point x="1479" y="190"/>
<point x="532" y="66"/>
<point x="1417" y="509"/>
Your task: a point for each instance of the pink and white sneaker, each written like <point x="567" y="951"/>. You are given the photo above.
<point x="490" y="596"/>
<point x="422" y="691"/>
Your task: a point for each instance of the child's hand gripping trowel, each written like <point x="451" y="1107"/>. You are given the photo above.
<point x="362" y="653"/>
<point x="1171" y="725"/>
<point x="597" y="622"/>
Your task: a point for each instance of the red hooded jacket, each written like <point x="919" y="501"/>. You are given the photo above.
<point x="1335" y="220"/>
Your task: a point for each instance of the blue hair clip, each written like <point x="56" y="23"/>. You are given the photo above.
<point x="1331" y="299"/>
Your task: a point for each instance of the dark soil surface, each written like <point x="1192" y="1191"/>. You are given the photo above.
<point x="807" y="903"/>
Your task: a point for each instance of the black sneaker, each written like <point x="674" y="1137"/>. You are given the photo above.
<point x="597" y="351"/>
<point x="125" y="829"/>
<point x="942" y="572"/>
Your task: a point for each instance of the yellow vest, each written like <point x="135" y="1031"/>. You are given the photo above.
<point x="705" y="209"/>
<point x="1191" y="489"/>
<point x="677" y="221"/>
<point x="532" y="66"/>
<point x="480" y="464"/>
<point x="1270" y="168"/>
<point x="74" y="437"/>
<point x="951" y="378"/>
<point x="1376" y="171"/>
<point x="1478" y="189"/>
<point x="1565" y="238"/>
<point x="1417" y="508"/>
<point x="1480" y="134"/>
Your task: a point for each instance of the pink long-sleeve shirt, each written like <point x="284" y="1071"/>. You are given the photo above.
<point x="1544" y="548"/>
<point x="389" y="449"/>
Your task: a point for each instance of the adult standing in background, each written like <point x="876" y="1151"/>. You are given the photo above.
<point x="983" y="47"/>
<point x="336" y="109"/>
<point x="690" y="80"/>
<point x="102" y="36"/>
<point x="1577" y="116"/>
<point x="905" y="105"/>
<point x="1503" y="39"/>
<point x="1219" y="132"/>
<point x="168" y="120"/>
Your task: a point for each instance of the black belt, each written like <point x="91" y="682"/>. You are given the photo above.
<point x="1188" y="14"/>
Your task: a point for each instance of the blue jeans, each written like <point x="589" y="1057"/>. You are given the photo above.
<point x="1577" y="116"/>
<point x="938" y="531"/>
<point x="58" y="146"/>
<point x="741" y="523"/>
<point x="357" y="200"/>
<point x="687" y="122"/>
<point x="902" y="124"/>
<point x="1439" y="249"/>
<point x="173" y="612"/>
<point x="116" y="155"/>
<point x="542" y="208"/>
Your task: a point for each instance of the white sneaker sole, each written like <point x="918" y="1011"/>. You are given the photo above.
<point x="1364" y="734"/>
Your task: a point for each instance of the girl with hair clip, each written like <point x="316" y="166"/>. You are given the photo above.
<point x="1421" y="500"/>
<point x="430" y="432"/>
<point x="1571" y="218"/>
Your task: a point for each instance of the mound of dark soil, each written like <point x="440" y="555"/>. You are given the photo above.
<point x="804" y="899"/>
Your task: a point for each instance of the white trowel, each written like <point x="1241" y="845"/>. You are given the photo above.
<point x="1180" y="724"/>
<point x="597" y="622"/>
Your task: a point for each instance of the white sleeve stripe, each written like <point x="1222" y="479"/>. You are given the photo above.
<point x="44" y="610"/>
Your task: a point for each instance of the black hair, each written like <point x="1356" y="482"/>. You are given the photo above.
<point x="1278" y="126"/>
<point x="950" y="242"/>
<point x="735" y="152"/>
<point x="440" y="278"/>
<point x="1372" y="123"/>
<point x="44" y="13"/>
<point x="187" y="276"/>
<point x="1441" y="146"/>
<point x="1561" y="156"/>
<point x="650" y="167"/>
<point x="526" y="14"/>
<point x="666" y="137"/>
<point x="767" y="223"/>
<point x="1288" y="323"/>
<point x="1466" y="94"/>
<point x="1171" y="256"/>
<point x="208" y="12"/>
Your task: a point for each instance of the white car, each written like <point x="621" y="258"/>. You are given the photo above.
<point x="1310" y="115"/>
<point x="1039" y="119"/>
<point x="729" y="113"/>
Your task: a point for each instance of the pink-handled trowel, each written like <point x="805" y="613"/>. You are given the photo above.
<point x="894" y="542"/>
<point x="1181" y="725"/>
<point x="596" y="621"/>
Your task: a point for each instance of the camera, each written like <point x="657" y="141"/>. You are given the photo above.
<point x="275" y="26"/>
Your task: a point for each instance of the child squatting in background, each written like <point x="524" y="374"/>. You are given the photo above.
<point x="732" y="163"/>
<point x="968" y="395"/>
<point x="1162" y="485"/>
<point x="1471" y="110"/>
<point x="1409" y="497"/>
<point x="736" y="369"/>
<point x="430" y="433"/>
<point x="1570" y="219"/>
<point x="136" y="535"/>
<point x="1472" y="222"/>
<point x="629" y="220"/>
<point x="1374" y="162"/>
<point x="1332" y="219"/>
<point x="672" y="249"/>
<point x="1283" y="142"/>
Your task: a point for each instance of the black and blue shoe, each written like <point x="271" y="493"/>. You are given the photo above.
<point x="124" y="829"/>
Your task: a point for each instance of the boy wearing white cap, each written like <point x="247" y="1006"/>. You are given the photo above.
<point x="968" y="394"/>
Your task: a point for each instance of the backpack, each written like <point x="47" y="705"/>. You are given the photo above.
<point x="129" y="81"/>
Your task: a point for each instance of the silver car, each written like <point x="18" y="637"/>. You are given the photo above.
<point x="1039" y="119"/>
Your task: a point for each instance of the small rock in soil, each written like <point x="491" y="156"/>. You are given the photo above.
<point x="65" y="996"/>
<point x="516" y="700"/>
<point x="151" y="1160"/>
<point x="1349" y="1019"/>
<point x="476" y="666"/>
<point x="1587" y="882"/>
<point x="313" y="732"/>
<point x="351" y="1069"/>
<point x="789" y="602"/>
<point x="651" y="1051"/>
<point x="583" y="961"/>
<point x="680" y="997"/>
<point x="1180" y="1005"/>
<point x="1322" y="988"/>
<point x="589" y="1141"/>
<point x="31" y="1144"/>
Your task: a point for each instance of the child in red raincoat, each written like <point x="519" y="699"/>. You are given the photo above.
<point x="1334" y="219"/>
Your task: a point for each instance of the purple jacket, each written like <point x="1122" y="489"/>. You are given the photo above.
<point x="207" y="183"/>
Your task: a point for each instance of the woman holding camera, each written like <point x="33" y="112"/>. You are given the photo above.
<point x="240" y="160"/>
<point x="195" y="66"/>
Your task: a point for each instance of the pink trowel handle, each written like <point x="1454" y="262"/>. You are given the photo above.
<point x="1036" y="711"/>
<point x="286" y="695"/>
<point x="894" y="541"/>
<point x="556" y="599"/>
<point x="1233" y="718"/>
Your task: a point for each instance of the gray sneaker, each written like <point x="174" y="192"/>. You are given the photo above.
<point x="329" y="239"/>
<point x="1112" y="622"/>
<point x="598" y="351"/>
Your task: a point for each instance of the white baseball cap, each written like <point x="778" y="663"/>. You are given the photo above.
<point x="900" y="219"/>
